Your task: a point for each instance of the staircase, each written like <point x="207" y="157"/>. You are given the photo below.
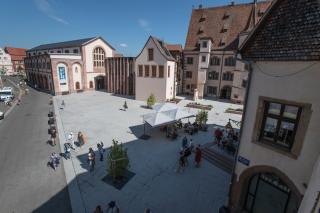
<point x="223" y="162"/>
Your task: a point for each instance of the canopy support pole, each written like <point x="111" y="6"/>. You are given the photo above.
<point x="144" y="136"/>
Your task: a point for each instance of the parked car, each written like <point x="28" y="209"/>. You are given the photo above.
<point x="1" y="115"/>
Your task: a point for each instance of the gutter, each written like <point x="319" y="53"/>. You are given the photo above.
<point x="241" y="128"/>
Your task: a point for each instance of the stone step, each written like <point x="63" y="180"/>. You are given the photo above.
<point x="218" y="160"/>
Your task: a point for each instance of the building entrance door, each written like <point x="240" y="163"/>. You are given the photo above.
<point x="267" y="193"/>
<point x="100" y="83"/>
<point x="225" y="92"/>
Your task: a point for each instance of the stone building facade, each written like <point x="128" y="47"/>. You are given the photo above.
<point x="70" y="66"/>
<point x="213" y="38"/>
<point x="278" y="161"/>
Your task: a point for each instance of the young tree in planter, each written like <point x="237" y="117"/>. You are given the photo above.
<point x="151" y="101"/>
<point x="125" y="106"/>
<point x="117" y="161"/>
<point x="202" y="118"/>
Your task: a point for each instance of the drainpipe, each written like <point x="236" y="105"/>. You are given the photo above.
<point x="220" y="76"/>
<point x="241" y="128"/>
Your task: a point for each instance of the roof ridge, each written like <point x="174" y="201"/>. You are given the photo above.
<point x="229" y="5"/>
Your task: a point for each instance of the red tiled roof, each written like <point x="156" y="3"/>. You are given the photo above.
<point x="222" y="23"/>
<point x="174" y="47"/>
<point x="17" y="54"/>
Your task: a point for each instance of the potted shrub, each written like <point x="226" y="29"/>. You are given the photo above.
<point x="117" y="161"/>
<point x="151" y="101"/>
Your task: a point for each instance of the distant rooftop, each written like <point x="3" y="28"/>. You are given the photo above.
<point x="64" y="44"/>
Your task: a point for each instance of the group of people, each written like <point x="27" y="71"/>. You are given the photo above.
<point x="185" y="153"/>
<point x="92" y="156"/>
<point x="226" y="138"/>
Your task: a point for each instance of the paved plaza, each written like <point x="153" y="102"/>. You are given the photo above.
<point x="156" y="184"/>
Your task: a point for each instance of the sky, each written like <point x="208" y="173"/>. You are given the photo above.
<point x="126" y="25"/>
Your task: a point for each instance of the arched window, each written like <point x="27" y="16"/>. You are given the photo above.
<point x="98" y="57"/>
<point x="91" y="84"/>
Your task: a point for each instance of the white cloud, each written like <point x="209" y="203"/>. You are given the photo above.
<point x="45" y="7"/>
<point x="144" y="24"/>
<point x="123" y="45"/>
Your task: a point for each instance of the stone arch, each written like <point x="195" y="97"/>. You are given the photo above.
<point x="240" y="188"/>
<point x="77" y="75"/>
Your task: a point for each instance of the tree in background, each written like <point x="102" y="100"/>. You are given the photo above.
<point x="151" y="101"/>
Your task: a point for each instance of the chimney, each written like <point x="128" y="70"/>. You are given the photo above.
<point x="200" y="6"/>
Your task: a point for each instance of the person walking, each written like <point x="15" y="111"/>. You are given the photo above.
<point x="54" y="160"/>
<point x="67" y="151"/>
<point x="198" y="156"/>
<point x="187" y="153"/>
<point x="98" y="209"/>
<point x="218" y="136"/>
<point x="181" y="162"/>
<point x="184" y="142"/>
<point x="91" y="159"/>
<point x="53" y="136"/>
<point x="113" y="207"/>
<point x="100" y="150"/>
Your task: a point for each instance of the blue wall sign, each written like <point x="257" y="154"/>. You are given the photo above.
<point x="62" y="73"/>
<point x="243" y="160"/>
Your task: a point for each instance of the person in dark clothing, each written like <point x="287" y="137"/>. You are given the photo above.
<point x="198" y="156"/>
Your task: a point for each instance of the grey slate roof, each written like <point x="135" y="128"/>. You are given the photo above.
<point x="64" y="44"/>
<point x="163" y="49"/>
<point x="289" y="31"/>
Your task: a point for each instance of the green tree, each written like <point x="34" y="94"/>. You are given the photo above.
<point x="151" y="101"/>
<point x="202" y="117"/>
<point x="117" y="161"/>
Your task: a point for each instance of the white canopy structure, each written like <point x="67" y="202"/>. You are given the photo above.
<point x="166" y="113"/>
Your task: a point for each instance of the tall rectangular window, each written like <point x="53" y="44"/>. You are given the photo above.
<point x="189" y="60"/>
<point x="146" y="71"/>
<point x="150" y="54"/>
<point x="168" y="71"/>
<point x="204" y="44"/>
<point x="230" y="61"/>
<point x="161" y="71"/>
<point x="203" y="58"/>
<point x="188" y="74"/>
<point x="140" y="71"/>
<point x="154" y="71"/>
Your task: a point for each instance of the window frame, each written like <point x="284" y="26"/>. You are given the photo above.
<point x="150" y="53"/>
<point x="188" y="74"/>
<point x="190" y="60"/>
<point x="215" y="61"/>
<point x="230" y="61"/>
<point x="161" y="71"/>
<point x="203" y="59"/>
<point x="154" y="71"/>
<point x="146" y="71"/>
<point x="140" y="70"/>
<point x="302" y="126"/>
<point x="204" y="44"/>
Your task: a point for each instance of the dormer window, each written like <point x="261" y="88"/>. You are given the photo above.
<point x="226" y="15"/>
<point x="225" y="28"/>
<point x="200" y="30"/>
<point x="222" y="42"/>
<point x="260" y="13"/>
<point x="203" y="18"/>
